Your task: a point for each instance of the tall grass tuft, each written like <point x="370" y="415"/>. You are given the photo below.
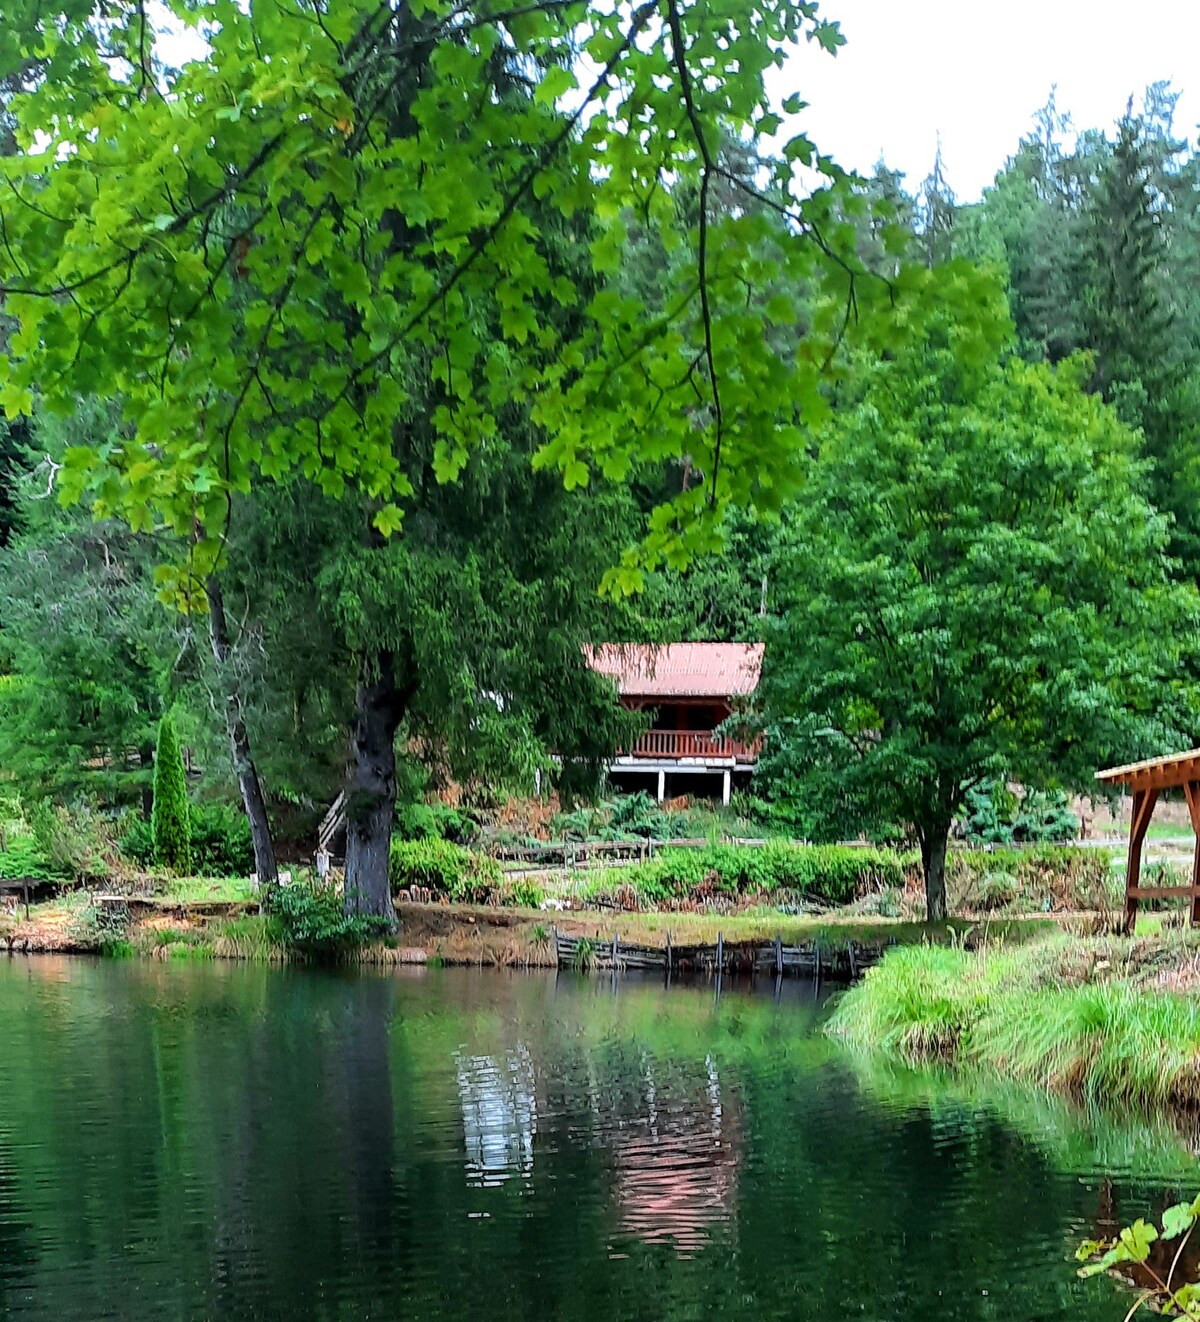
<point x="254" y="937"/>
<point x="1014" y="1013"/>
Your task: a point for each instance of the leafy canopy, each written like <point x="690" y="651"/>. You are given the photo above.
<point x="264" y="251"/>
<point x="972" y="587"/>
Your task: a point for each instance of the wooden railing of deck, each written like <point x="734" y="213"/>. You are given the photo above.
<point x="693" y="743"/>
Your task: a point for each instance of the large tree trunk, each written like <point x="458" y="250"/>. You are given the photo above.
<point x="371" y="789"/>
<point x="239" y="741"/>
<point x="933" y="862"/>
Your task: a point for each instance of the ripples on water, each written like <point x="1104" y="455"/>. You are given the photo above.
<point x="212" y="1141"/>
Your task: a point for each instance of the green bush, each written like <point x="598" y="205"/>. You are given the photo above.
<point x="220" y="835"/>
<point x="836" y="873"/>
<point x="221" y="843"/>
<point x="310" y="920"/>
<point x="640" y="816"/>
<point x="432" y="821"/>
<point x="525" y="894"/>
<point x="444" y="867"/>
<point x="170" y="819"/>
<point x="994" y="815"/>
<point x="1078" y="876"/>
<point x="23" y="859"/>
<point x="997" y="889"/>
<point x="136" y="842"/>
<point x="71" y="840"/>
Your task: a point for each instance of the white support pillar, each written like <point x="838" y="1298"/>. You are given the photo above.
<point x="726" y="786"/>
<point x="662" y="786"/>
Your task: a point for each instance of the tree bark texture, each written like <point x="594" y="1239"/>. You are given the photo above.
<point x="239" y="741"/>
<point x="371" y="789"/>
<point x="933" y="862"/>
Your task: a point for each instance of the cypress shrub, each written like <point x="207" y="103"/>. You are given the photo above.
<point x="441" y="866"/>
<point x="170" y="820"/>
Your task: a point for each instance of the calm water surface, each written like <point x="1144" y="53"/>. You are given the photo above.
<point x="212" y="1141"/>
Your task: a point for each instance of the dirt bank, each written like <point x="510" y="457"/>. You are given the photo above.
<point x="450" y="934"/>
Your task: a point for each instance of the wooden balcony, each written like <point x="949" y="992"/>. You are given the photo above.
<point x="675" y="745"/>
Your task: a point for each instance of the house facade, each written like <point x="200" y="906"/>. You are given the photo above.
<point x="689" y="689"/>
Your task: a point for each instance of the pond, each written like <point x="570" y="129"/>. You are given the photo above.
<point x="187" y="1140"/>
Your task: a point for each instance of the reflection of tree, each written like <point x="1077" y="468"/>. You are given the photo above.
<point x="225" y="1142"/>
<point x="676" y="1167"/>
<point x="674" y="1135"/>
<point x="17" y="1253"/>
<point x="499" y="1111"/>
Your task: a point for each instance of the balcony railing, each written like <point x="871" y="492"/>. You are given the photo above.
<point x="693" y="743"/>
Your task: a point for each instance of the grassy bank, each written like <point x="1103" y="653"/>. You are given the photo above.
<point x="215" y="922"/>
<point x="1104" y="1019"/>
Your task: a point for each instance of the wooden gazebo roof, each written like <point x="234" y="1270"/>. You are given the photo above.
<point x="1174" y="771"/>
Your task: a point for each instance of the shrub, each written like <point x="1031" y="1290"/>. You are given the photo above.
<point x="311" y="921"/>
<point x="579" y="824"/>
<point x="71" y="840"/>
<point x="835" y="873"/>
<point x="995" y="815"/>
<point x="137" y="841"/>
<point x="525" y="894"/>
<point x="170" y="818"/>
<point x="432" y="821"/>
<point x="997" y="889"/>
<point x="221" y="843"/>
<point x="1071" y="876"/>
<point x="639" y="815"/>
<point x="23" y="859"/>
<point x="444" y="867"/>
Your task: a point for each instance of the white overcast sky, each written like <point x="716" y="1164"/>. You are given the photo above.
<point x="976" y="70"/>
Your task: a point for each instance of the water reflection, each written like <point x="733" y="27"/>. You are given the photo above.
<point x="675" y="1158"/>
<point x="217" y="1142"/>
<point x="499" y="1115"/>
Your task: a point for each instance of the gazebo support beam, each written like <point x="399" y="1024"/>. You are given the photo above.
<point x="1192" y="792"/>
<point x="1143" y="810"/>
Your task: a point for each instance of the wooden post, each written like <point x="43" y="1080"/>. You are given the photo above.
<point x="779" y="956"/>
<point x="615" y="948"/>
<point x="720" y="950"/>
<point x="668" y="956"/>
<point x="1192" y="792"/>
<point x="1143" y="807"/>
<point x="662" y="786"/>
<point x="25" y="889"/>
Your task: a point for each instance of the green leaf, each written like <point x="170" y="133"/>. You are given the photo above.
<point x="1177" y="1219"/>
<point x="389" y="520"/>
<point x="557" y="81"/>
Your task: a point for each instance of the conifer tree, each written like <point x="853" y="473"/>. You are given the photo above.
<point x="170" y="820"/>
<point x="1130" y="325"/>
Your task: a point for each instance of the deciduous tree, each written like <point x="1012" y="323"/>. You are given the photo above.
<point x="327" y="247"/>
<point x="973" y="585"/>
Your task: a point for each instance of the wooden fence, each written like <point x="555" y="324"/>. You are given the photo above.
<point x="841" y="963"/>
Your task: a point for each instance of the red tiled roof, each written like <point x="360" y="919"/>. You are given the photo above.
<point x="680" y="670"/>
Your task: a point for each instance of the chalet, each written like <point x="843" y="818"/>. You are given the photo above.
<point x="689" y="689"/>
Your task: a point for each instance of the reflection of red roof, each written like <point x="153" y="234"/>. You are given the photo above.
<point x="680" y="670"/>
